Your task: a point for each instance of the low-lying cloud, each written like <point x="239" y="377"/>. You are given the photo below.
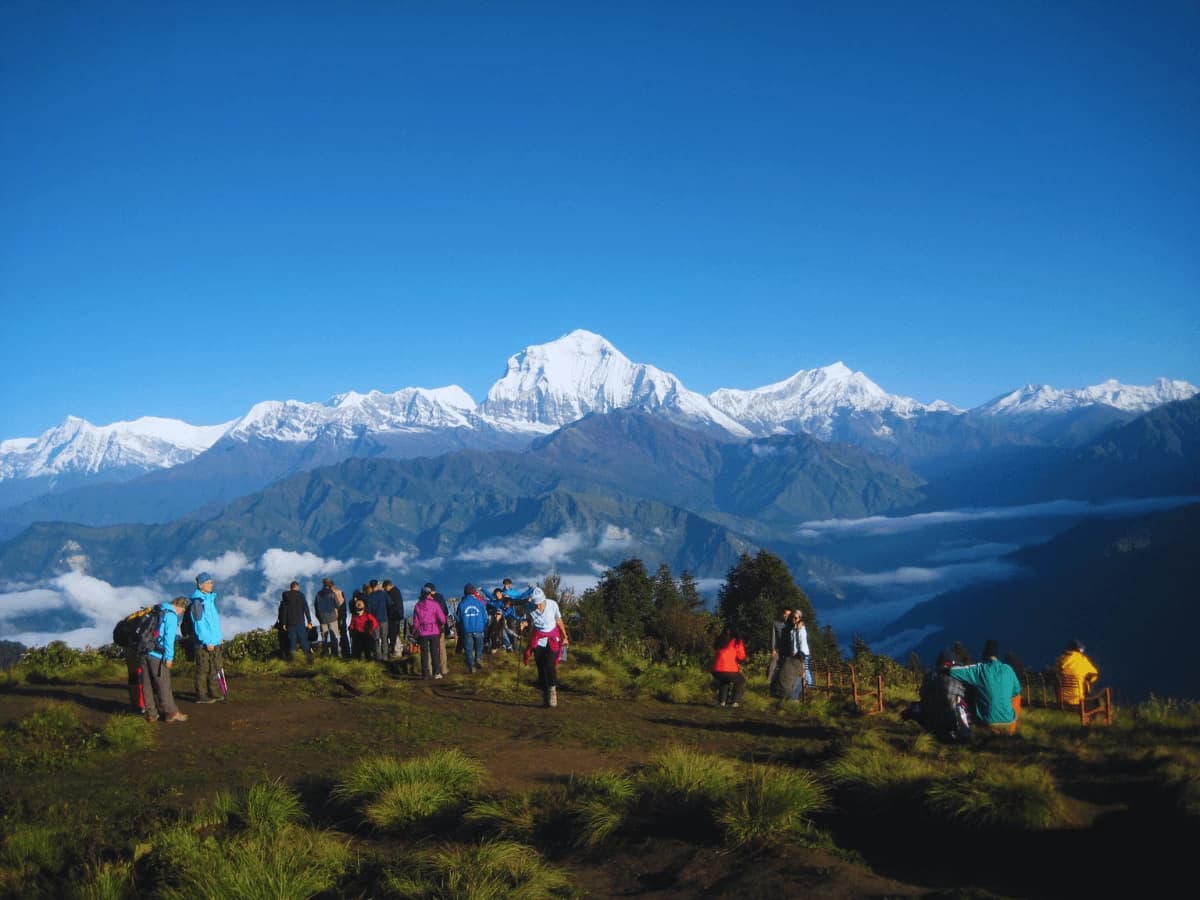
<point x="875" y="526"/>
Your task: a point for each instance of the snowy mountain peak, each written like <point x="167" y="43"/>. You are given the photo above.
<point x="813" y="400"/>
<point x="1035" y="399"/>
<point x="550" y="385"/>
<point x="410" y="409"/>
<point x="76" y="446"/>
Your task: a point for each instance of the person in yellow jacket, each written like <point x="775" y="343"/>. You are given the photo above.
<point x="1081" y="673"/>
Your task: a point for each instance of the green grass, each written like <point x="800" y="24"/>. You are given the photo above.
<point x="127" y="733"/>
<point x="395" y="793"/>
<point x="999" y="796"/>
<point x="773" y="807"/>
<point x="498" y="870"/>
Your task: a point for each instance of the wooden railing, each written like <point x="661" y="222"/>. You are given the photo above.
<point x="843" y="680"/>
<point x="1052" y="690"/>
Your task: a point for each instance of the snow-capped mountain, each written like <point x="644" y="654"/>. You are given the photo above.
<point x="551" y="385"/>
<point x="812" y="400"/>
<point x="352" y="413"/>
<point x="79" y="447"/>
<point x="1037" y="399"/>
<point x="544" y="387"/>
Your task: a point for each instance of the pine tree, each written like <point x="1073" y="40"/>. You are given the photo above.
<point x="754" y="591"/>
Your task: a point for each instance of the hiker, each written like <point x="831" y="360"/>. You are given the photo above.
<point x="447" y="628"/>
<point x="395" y="611"/>
<point x="156" y="666"/>
<point x="942" y="709"/>
<point x="362" y="629"/>
<point x="997" y="690"/>
<point x="377" y="605"/>
<point x="429" y="620"/>
<point x="547" y="641"/>
<point x="1076" y="673"/>
<point x="295" y="619"/>
<point x="506" y="587"/>
<point x="328" y="605"/>
<point x="727" y="669"/>
<point x="472" y="617"/>
<point x="343" y="619"/>
<point x="778" y="647"/>
<point x="795" y="673"/>
<point x="206" y="625"/>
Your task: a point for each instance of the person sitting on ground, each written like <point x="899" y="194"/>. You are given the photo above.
<point x="997" y="689"/>
<point x="943" y="709"/>
<point x="1076" y="673"/>
<point x="727" y="669"/>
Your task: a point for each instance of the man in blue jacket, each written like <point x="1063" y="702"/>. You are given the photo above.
<point x="206" y="623"/>
<point x="377" y="605"/>
<point x="156" y="666"/>
<point x="472" y="616"/>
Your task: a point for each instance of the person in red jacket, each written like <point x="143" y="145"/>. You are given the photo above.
<point x="362" y="629"/>
<point x="727" y="668"/>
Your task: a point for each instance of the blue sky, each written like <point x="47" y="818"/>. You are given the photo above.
<point x="204" y="206"/>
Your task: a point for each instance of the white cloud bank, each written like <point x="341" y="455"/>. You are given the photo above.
<point x="875" y="526"/>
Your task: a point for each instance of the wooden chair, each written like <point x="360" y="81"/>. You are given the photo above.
<point x="1090" y="705"/>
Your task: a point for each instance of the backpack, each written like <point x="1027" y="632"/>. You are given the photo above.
<point x="139" y="630"/>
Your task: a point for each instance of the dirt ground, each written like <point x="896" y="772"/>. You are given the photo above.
<point x="270" y="729"/>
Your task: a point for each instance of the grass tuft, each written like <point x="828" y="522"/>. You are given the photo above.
<point x="127" y="733"/>
<point x="999" y="796"/>
<point x="497" y="870"/>
<point x="773" y="807"/>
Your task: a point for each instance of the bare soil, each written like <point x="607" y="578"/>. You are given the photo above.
<point x="271" y="728"/>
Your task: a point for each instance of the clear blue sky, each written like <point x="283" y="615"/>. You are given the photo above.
<point x="203" y="205"/>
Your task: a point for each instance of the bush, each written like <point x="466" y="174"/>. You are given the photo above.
<point x="772" y="807"/>
<point x="490" y="871"/>
<point x="56" y="662"/>
<point x="126" y="733"/>
<point x="999" y="795"/>
<point x="260" y="645"/>
<point x="399" y="793"/>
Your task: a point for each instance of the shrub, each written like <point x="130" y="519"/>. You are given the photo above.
<point x="772" y="807"/>
<point x="400" y="793"/>
<point x="49" y="739"/>
<point x="259" y="645"/>
<point x="270" y="807"/>
<point x="490" y="871"/>
<point x="999" y="795"/>
<point x="126" y="733"/>
<point x="57" y="662"/>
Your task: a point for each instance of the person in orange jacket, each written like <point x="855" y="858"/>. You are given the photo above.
<point x="727" y="668"/>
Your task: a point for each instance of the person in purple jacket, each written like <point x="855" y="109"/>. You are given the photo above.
<point x="428" y="621"/>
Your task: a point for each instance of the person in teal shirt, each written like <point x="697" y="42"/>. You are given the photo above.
<point x="996" y="686"/>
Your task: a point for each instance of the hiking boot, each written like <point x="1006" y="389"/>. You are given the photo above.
<point x="176" y="717"/>
<point x="553" y="699"/>
<point x="438" y="675"/>
<point x="207" y="700"/>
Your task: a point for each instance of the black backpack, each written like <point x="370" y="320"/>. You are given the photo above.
<point x="139" y="630"/>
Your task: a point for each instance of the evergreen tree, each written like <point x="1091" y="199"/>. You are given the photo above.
<point x="620" y="608"/>
<point x="754" y="591"/>
<point x="666" y="592"/>
<point x="689" y="594"/>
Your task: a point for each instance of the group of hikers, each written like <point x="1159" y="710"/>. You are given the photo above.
<point x="371" y="626"/>
<point x="953" y="697"/>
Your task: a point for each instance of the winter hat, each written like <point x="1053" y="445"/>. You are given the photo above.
<point x="203" y="577"/>
<point x="468" y="589"/>
<point x="1076" y="645"/>
<point x="990" y="649"/>
<point x="537" y="596"/>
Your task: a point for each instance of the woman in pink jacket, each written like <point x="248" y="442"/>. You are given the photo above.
<point x="428" y="621"/>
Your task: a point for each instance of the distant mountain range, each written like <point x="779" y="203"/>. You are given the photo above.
<point x="576" y="460"/>
<point x="62" y="473"/>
